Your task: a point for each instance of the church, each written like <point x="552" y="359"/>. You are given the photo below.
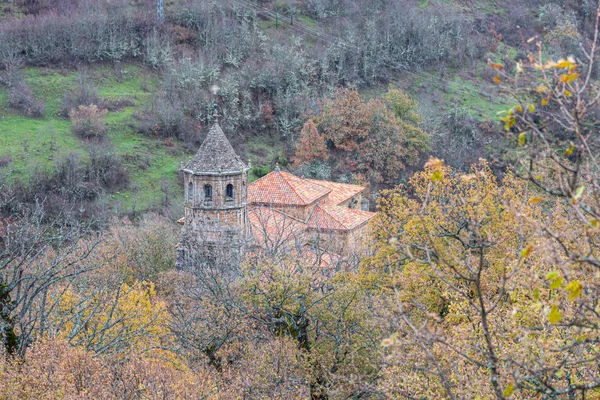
<point x="280" y="213"/>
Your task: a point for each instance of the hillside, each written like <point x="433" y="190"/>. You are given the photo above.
<point x="392" y="199"/>
<point x="282" y="58"/>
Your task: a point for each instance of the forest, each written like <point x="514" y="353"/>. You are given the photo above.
<point x="473" y="124"/>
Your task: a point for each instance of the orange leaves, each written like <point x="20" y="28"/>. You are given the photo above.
<point x="535" y="200"/>
<point x="526" y="251"/>
<point x="376" y="138"/>
<point x="496" y="67"/>
<point x="310" y="145"/>
<point x="568" y="78"/>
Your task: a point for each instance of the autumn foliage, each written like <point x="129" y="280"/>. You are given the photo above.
<point x="376" y="139"/>
<point x="310" y="146"/>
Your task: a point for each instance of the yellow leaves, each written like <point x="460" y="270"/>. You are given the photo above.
<point x="526" y="251"/>
<point x="437" y="169"/>
<point x="554" y="316"/>
<point x="541" y="89"/>
<point x="545" y="102"/>
<point x="535" y="200"/>
<point x="574" y="288"/>
<point x="131" y="313"/>
<point x="565" y="64"/>
<point x="568" y="78"/>
<point x="556" y="283"/>
<point x="522" y="139"/>
<point x="579" y="192"/>
<point x="595" y="223"/>
<point x="509" y="390"/>
<point x="569" y="151"/>
<point x="509" y="120"/>
<point x="531" y="108"/>
<point x="497" y="79"/>
<point x="567" y="93"/>
<point x="555" y="279"/>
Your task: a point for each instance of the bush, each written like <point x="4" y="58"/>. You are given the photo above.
<point x="166" y="119"/>
<point x="88" y="122"/>
<point x="84" y="95"/>
<point x="259" y="172"/>
<point x="106" y="168"/>
<point x="21" y="98"/>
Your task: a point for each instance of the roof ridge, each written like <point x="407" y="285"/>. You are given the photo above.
<point x="216" y="154"/>
<point x="288" y="183"/>
<point x="333" y="216"/>
<point x="307" y="181"/>
<point x="315" y="181"/>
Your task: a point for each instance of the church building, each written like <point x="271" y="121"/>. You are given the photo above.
<point x="278" y="213"/>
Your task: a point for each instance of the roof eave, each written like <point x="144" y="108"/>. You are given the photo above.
<point x="238" y="172"/>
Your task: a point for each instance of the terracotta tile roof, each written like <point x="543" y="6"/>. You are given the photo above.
<point x="273" y="228"/>
<point x="283" y="188"/>
<point x="340" y="192"/>
<point x="216" y="154"/>
<point x="337" y="218"/>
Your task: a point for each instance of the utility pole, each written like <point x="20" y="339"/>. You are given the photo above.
<point x="160" y="12"/>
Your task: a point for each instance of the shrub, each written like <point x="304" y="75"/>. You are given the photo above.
<point x="88" y="122"/>
<point x="5" y="161"/>
<point x="84" y="95"/>
<point x="158" y="50"/>
<point x="106" y="168"/>
<point x="21" y="98"/>
<point x="259" y="172"/>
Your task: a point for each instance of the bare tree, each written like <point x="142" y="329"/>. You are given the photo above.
<point x="36" y="255"/>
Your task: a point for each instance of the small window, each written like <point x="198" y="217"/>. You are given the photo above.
<point x="207" y="192"/>
<point x="229" y="192"/>
<point x="190" y="193"/>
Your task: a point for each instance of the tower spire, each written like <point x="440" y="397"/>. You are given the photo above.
<point x="216" y="113"/>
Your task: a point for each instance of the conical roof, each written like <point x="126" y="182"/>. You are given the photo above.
<point x="216" y="155"/>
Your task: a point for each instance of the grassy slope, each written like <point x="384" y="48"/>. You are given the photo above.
<point x="35" y="144"/>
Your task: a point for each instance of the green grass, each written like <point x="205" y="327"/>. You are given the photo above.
<point x="472" y="97"/>
<point x="36" y="144"/>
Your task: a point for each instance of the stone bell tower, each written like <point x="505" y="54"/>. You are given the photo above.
<point x="215" y="226"/>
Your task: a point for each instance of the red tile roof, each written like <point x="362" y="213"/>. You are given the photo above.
<point x="272" y="228"/>
<point x="283" y="188"/>
<point x="340" y="192"/>
<point x="337" y="218"/>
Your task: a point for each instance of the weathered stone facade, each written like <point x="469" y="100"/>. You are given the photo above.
<point x="278" y="213"/>
<point x="216" y="192"/>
